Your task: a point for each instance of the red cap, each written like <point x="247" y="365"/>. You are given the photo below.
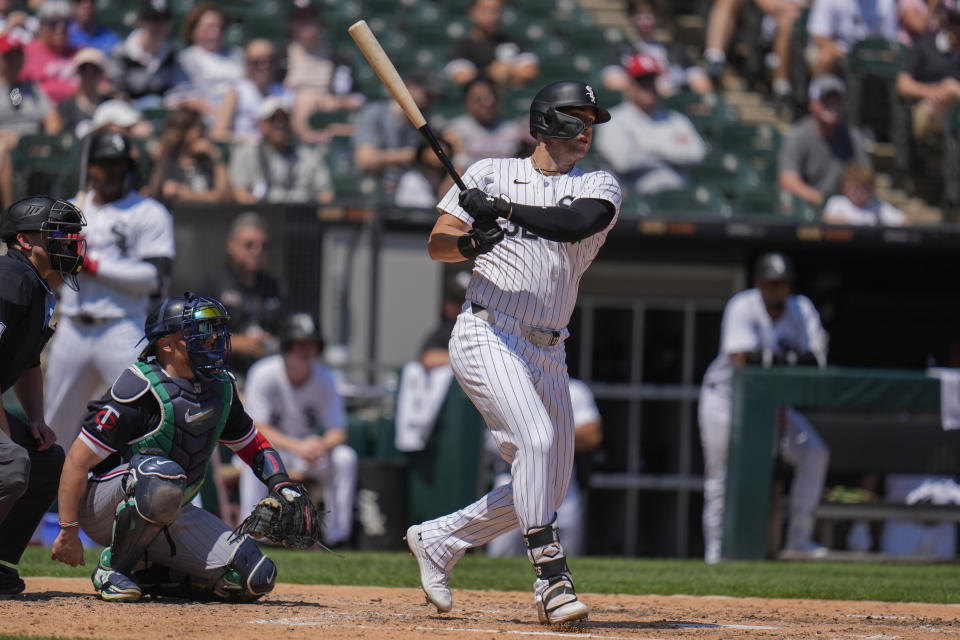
<point x="641" y="64"/>
<point x="10" y="42"/>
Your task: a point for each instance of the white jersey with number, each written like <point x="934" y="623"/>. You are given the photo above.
<point x="527" y="277"/>
<point x="127" y="230"/>
<point x="747" y="326"/>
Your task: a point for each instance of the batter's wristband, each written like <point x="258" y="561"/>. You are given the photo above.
<point x="467" y="247"/>
<point x="69" y="525"/>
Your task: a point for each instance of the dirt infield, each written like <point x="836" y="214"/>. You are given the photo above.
<point x="67" y="608"/>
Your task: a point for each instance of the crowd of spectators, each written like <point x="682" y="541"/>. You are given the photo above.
<point x="237" y="124"/>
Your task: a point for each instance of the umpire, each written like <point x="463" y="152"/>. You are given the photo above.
<point x="43" y="240"/>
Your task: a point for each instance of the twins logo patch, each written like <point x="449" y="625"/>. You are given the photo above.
<point x="107" y="418"/>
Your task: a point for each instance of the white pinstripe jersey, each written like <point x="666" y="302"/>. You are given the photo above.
<point x="525" y="276"/>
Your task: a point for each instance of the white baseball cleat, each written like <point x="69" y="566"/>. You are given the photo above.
<point x="434" y="581"/>
<point x="557" y="603"/>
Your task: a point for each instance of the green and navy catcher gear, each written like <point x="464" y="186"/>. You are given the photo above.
<point x="204" y="322"/>
<point x="61" y="222"/>
<point x="286" y="516"/>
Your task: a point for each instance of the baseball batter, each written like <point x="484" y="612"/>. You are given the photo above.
<point x="766" y="325"/>
<point x="130" y="250"/>
<point x="533" y="226"/>
<point x="147" y="442"/>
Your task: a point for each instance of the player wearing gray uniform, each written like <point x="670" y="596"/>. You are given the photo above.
<point x="766" y="325"/>
<point x="533" y="226"/>
<point x="145" y="445"/>
<point x="130" y="249"/>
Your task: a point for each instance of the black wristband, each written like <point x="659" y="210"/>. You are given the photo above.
<point x="467" y="247"/>
<point x="276" y="479"/>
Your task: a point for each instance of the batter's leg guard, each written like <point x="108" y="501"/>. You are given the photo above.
<point x="553" y="590"/>
<point x="249" y="574"/>
<point x="154" y="495"/>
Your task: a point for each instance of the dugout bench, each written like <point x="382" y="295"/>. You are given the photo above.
<point x="913" y="441"/>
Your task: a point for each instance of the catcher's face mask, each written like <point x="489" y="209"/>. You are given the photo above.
<point x="65" y="247"/>
<point x="205" y="326"/>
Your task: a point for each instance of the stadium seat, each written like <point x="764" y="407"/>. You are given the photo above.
<point x="761" y="201"/>
<point x="46" y="163"/>
<point x="727" y="174"/>
<point x="695" y="201"/>
<point x="759" y="145"/>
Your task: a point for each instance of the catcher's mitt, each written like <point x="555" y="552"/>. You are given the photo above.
<point x="286" y="516"/>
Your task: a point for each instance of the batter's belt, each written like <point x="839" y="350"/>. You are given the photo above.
<point x="533" y="335"/>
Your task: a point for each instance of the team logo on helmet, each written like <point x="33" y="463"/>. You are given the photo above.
<point x="591" y="94"/>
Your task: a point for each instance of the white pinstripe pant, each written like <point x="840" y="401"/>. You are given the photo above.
<point x="202" y="539"/>
<point x="523" y="393"/>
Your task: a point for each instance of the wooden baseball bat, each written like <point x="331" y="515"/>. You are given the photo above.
<point x="391" y="79"/>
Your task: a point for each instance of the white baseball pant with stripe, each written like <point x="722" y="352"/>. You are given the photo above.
<point x="523" y="393"/>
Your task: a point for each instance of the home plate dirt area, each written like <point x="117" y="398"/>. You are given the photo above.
<point x="67" y="607"/>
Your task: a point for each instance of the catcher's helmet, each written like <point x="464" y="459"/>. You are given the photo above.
<point x="110" y="146"/>
<point x="205" y="325"/>
<point x="773" y="266"/>
<point x="545" y="118"/>
<point x="61" y="221"/>
<point x="300" y="326"/>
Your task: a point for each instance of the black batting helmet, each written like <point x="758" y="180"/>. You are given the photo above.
<point x="110" y="145"/>
<point x="545" y="118"/>
<point x="773" y="266"/>
<point x="300" y="326"/>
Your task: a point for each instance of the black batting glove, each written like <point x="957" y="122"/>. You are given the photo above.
<point x="482" y="205"/>
<point x="483" y="237"/>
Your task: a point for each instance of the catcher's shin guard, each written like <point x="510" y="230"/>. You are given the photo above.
<point x="249" y="574"/>
<point x="155" y="491"/>
<point x="553" y="590"/>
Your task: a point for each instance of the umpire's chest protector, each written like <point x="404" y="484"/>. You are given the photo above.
<point x="193" y="414"/>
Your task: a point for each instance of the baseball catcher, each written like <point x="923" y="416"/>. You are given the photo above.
<point x="147" y="442"/>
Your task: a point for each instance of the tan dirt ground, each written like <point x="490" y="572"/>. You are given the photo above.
<point x="67" y="607"/>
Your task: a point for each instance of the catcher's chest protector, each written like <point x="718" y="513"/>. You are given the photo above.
<point x="193" y="415"/>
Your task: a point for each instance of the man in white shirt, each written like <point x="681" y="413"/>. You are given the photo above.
<point x="652" y="146"/>
<point x="293" y="401"/>
<point x="767" y="325"/>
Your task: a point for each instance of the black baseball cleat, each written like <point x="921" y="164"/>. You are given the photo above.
<point x="10" y="582"/>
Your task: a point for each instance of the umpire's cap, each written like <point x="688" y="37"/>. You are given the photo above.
<point x="110" y="146"/>
<point x="545" y="118"/>
<point x="300" y="326"/>
<point x="773" y="266"/>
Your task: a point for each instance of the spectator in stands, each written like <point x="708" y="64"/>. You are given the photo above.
<point x="253" y="297"/>
<point x="819" y="146"/>
<point x="858" y="204"/>
<point x="208" y="68"/>
<point x="16" y="22"/>
<point x="236" y="117"/>
<point x="652" y="147"/>
<point x="931" y="75"/>
<point x="278" y="169"/>
<point x="425" y="182"/>
<point x="919" y="18"/>
<point x="118" y="116"/>
<point x="76" y="112"/>
<point x="836" y="25"/>
<point x="85" y="32"/>
<point x="386" y="143"/>
<point x="679" y="72"/>
<point x="481" y="132"/>
<point x="776" y="28"/>
<point x="49" y="56"/>
<point x="145" y="65"/>
<point x="486" y="50"/>
<point x="321" y="79"/>
<point x="27" y="111"/>
<point x="189" y="167"/>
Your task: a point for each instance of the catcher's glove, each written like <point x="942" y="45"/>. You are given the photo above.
<point x="287" y="516"/>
